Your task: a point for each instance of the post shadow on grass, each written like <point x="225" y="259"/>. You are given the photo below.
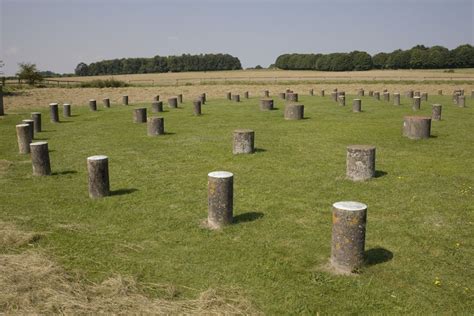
<point x="247" y="217"/>
<point x="380" y="173"/>
<point x="62" y="173"/>
<point x="122" y="191"/>
<point x="259" y="150"/>
<point x="377" y="255"/>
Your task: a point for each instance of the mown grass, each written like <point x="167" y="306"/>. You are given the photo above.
<point x="420" y="216"/>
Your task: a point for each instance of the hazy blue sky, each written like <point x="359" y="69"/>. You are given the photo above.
<point x="58" y="34"/>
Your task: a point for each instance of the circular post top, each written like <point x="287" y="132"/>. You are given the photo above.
<point x="39" y="143"/>
<point x="350" y="206"/>
<point x="220" y="174"/>
<point x="436" y="104"/>
<point x="66" y="104"/>
<point x="175" y="97"/>
<point x="416" y="97"/>
<point x="266" y="99"/>
<point x="92" y="100"/>
<point x="97" y="157"/>
<point x="35" y="113"/>
<point x="139" y="109"/>
<point x="22" y="125"/>
<point x="28" y="120"/>
<point x="361" y="147"/>
<point x="53" y="104"/>
<point x="356" y="99"/>
<point x="417" y="117"/>
<point x="243" y="131"/>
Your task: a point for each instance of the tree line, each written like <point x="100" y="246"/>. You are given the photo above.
<point x="418" y="57"/>
<point x="185" y="62"/>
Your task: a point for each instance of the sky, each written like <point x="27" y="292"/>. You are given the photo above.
<point x="56" y="35"/>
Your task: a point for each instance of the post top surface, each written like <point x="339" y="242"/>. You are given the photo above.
<point x="220" y="174"/>
<point x="266" y="99"/>
<point x="413" y="117"/>
<point x="416" y="97"/>
<point x="35" y="113"/>
<point x="53" y="104"/>
<point x="27" y="120"/>
<point x="295" y="105"/>
<point x="139" y="109"/>
<point x="364" y="147"/>
<point x="92" y="100"/>
<point x="243" y="130"/>
<point x="350" y="206"/>
<point x="97" y="157"/>
<point x="22" y="125"/>
<point x="436" y="104"/>
<point x="66" y="104"/>
<point x="39" y="143"/>
<point x="356" y="99"/>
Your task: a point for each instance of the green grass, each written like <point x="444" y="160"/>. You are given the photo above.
<point x="420" y="210"/>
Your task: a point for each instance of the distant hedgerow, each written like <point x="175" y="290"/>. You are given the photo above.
<point x="101" y="83"/>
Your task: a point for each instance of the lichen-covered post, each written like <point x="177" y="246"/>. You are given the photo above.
<point x="244" y="141"/>
<point x="203" y="98"/>
<point x="334" y="96"/>
<point x="371" y="93"/>
<point x="180" y="98"/>
<point x="356" y="105"/>
<point x="456" y="97"/>
<point x="93" y="105"/>
<point x="236" y="97"/>
<point x="386" y="96"/>
<point x="377" y="95"/>
<point x="24" y="138"/>
<point x="31" y="123"/>
<point x="156" y="126"/>
<point x="410" y="94"/>
<point x="349" y="220"/>
<point x="417" y="94"/>
<point x="416" y="103"/>
<point x="54" y="112"/>
<point x="2" y="110"/>
<point x="360" y="92"/>
<point x="396" y="98"/>
<point x="229" y="95"/>
<point x="292" y="97"/>
<point x="36" y="117"/>
<point x="461" y="101"/>
<point x="197" y="107"/>
<point x="440" y="92"/>
<point x="424" y="96"/>
<point x="40" y="159"/>
<point x="472" y="94"/>
<point x="342" y="100"/>
<point x="360" y="162"/>
<point x="266" y="93"/>
<point x="125" y="100"/>
<point x="139" y="115"/>
<point x="282" y="95"/>
<point x="246" y="94"/>
<point x="66" y="110"/>
<point x="322" y="92"/>
<point x="220" y="195"/>
<point x="311" y="92"/>
<point x="173" y="102"/>
<point x="436" y="112"/>
<point x="157" y="106"/>
<point x="266" y="104"/>
<point x="98" y="169"/>
<point x="294" y="112"/>
<point x="106" y="102"/>
<point x="417" y="127"/>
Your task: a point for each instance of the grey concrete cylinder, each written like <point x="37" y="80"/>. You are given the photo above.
<point x="440" y="92"/>
<point x="246" y="94"/>
<point x="203" y="98"/>
<point x="349" y="220"/>
<point x="282" y="95"/>
<point x="197" y="107"/>
<point x="36" y="117"/>
<point x="424" y="96"/>
<point x="98" y="169"/>
<point x="157" y="106"/>
<point x="139" y="115"/>
<point x="66" y="110"/>
<point x="173" y="102"/>
<point x="356" y="105"/>
<point x="243" y="141"/>
<point x="156" y="126"/>
<point x="386" y="96"/>
<point x="106" y="102"/>
<point x="220" y="196"/>
<point x="455" y="97"/>
<point x="360" y="162"/>
<point x="410" y="94"/>
<point x="294" y="112"/>
<point x="417" y="94"/>
<point x="371" y="93"/>
<point x="125" y="100"/>
<point x="461" y="101"/>
<point x="342" y="100"/>
<point x="2" y="110"/>
<point x="180" y="98"/>
<point x="93" y="105"/>
<point x="472" y="94"/>
<point x="292" y="97"/>
<point x="416" y="103"/>
<point x="396" y="99"/>
<point x="311" y="92"/>
<point x="31" y="123"/>
<point x="266" y="104"/>
<point x="360" y="92"/>
<point x="266" y="93"/>
<point x="229" y="96"/>
<point x="417" y="127"/>
<point x="377" y="95"/>
<point x="236" y="97"/>
<point x="322" y="92"/>
<point x="436" y="112"/>
<point x="156" y="98"/>
<point x="54" y="112"/>
<point x="40" y="159"/>
<point x="23" y="136"/>
<point x="334" y="96"/>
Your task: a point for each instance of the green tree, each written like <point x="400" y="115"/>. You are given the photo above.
<point x="361" y="60"/>
<point x="29" y="72"/>
<point x="380" y="60"/>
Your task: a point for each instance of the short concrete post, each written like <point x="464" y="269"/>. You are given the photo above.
<point x="349" y="221"/>
<point x="424" y="96"/>
<point x="31" y="123"/>
<point x="282" y="95"/>
<point x="342" y="100"/>
<point x="472" y="94"/>
<point x="2" y="110"/>
<point x="455" y="97"/>
<point x="396" y="98"/>
<point x="311" y="92"/>
<point x="322" y="92"/>
<point x="66" y="110"/>
<point x="173" y="102"/>
<point x="266" y="93"/>
<point x="266" y="104"/>
<point x="36" y="117"/>
<point x="371" y="93"/>
<point x="106" y="102"/>
<point x="416" y="103"/>
<point x="410" y="94"/>
<point x="246" y="94"/>
<point x="417" y="127"/>
<point x="384" y="90"/>
<point x="203" y="98"/>
<point x="244" y="141"/>
<point x="197" y="107"/>
<point x="23" y="136"/>
<point x="356" y="105"/>
<point x="155" y="126"/>
<point x="220" y="196"/>
<point x="440" y="92"/>
<point x="98" y="169"/>
<point x="360" y="162"/>
<point x="40" y="159"/>
<point x="125" y="100"/>
<point x="292" y="97"/>
<point x="139" y="115"/>
<point x="461" y="101"/>
<point x="461" y="91"/>
<point x="334" y="96"/>
<point x="386" y="96"/>
<point x="236" y="97"/>
<point x="156" y="98"/>
<point x="157" y="106"/>
<point x="360" y="92"/>
<point x="289" y="91"/>
<point x="229" y="95"/>
<point x="436" y="112"/>
<point x="180" y="98"/>
<point x="341" y="93"/>
<point x="93" y="105"/>
<point x="294" y="112"/>
<point x="53" y="112"/>
<point x="416" y="94"/>
<point x="377" y="95"/>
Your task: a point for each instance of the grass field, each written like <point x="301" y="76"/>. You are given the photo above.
<point x="420" y="245"/>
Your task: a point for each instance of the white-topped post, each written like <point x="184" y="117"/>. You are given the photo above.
<point x="98" y="168"/>
<point x="220" y="189"/>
